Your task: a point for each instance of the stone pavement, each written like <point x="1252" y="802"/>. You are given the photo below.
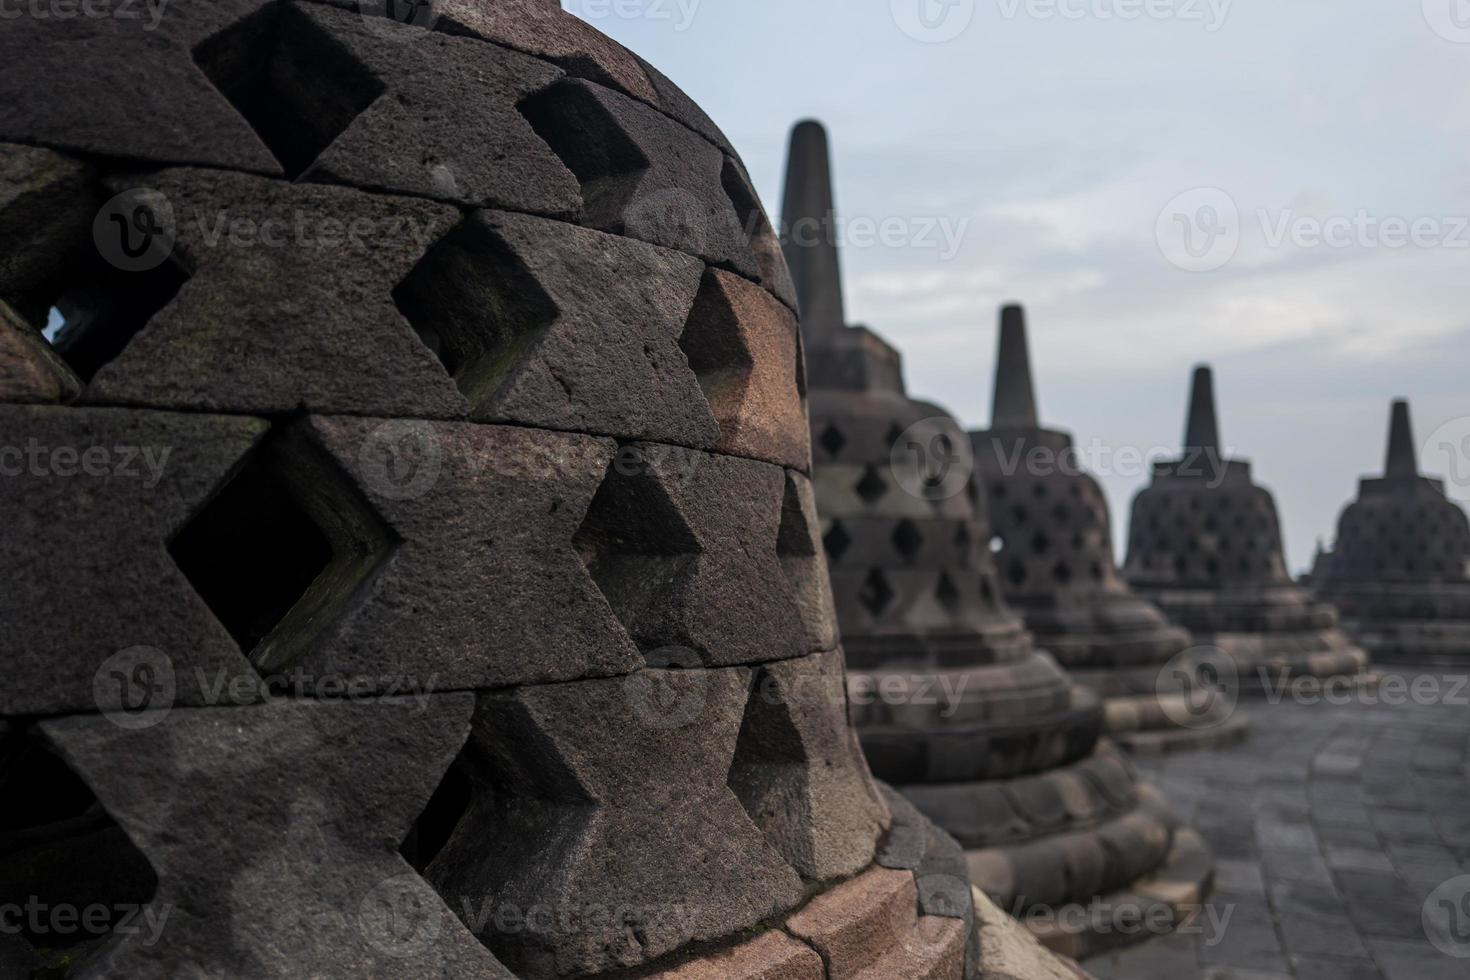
<point x="1334" y="826"/>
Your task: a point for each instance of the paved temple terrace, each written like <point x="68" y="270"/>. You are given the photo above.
<point x="1334" y="825"/>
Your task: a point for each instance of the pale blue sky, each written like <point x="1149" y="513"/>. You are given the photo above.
<point x="1057" y="140"/>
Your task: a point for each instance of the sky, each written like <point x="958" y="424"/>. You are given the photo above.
<point x="1275" y="187"/>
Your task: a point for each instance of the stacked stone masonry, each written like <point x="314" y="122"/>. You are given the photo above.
<point x="415" y="518"/>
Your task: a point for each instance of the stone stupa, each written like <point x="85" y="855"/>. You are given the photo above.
<point x="1055" y="559"/>
<point x="1205" y="544"/>
<point x="955" y="704"/>
<point x="411" y="568"/>
<point x="1400" y="569"/>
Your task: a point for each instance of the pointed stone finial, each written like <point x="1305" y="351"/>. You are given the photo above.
<point x="1202" y="432"/>
<point x="809" y="231"/>
<point x="1403" y="459"/>
<point x="1015" y="396"/>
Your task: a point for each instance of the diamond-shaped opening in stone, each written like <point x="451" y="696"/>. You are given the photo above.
<point x="947" y="593"/>
<point x="253" y="551"/>
<point x="908" y="539"/>
<point x="751" y="217"/>
<point x="594" y="147"/>
<point x="832" y="440"/>
<point x="1062" y="573"/>
<point x="476" y="306"/>
<point x="872" y="487"/>
<point x="836" y="542"/>
<point x="1016" y="572"/>
<point x="102" y="308"/>
<point x="441" y="817"/>
<point x="876" y="594"/>
<point x="717" y="352"/>
<point x="637" y="547"/>
<point x="1040" y="543"/>
<point x="61" y="849"/>
<point x="296" y="85"/>
<point x="768" y="775"/>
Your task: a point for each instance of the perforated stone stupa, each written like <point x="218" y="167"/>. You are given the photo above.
<point x="1400" y="570"/>
<point x="955" y="704"/>
<point x="1055" y="560"/>
<point x="410" y="563"/>
<point x="1205" y="544"/>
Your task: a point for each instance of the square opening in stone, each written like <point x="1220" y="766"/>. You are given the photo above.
<point x="296" y="86"/>
<point x="252" y="552"/>
<point x="103" y="308"/>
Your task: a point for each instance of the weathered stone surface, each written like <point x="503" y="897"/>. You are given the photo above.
<point x="325" y="335"/>
<point x="47" y="203"/>
<point x="1008" y="950"/>
<point x="92" y="498"/>
<point x="178" y="116"/>
<point x="230" y="808"/>
<point x="585" y="827"/>
<point x="29" y="370"/>
<point x="770" y="956"/>
<point x="635" y="382"/>
<point x="684" y="546"/>
<point x="870" y="928"/>
<point x="800" y="548"/>
<point x="745" y="348"/>
<point x="489" y="511"/>
<point x="450" y="101"/>
<point x="799" y="773"/>
<point x="644" y="175"/>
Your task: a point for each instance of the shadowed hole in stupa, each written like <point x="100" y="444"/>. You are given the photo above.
<point x="716" y="350"/>
<point x="296" y="86"/>
<point x="252" y="551"/>
<point x="445" y="809"/>
<point x="65" y="864"/>
<point x="568" y="117"/>
<point x="102" y="308"/>
<point x="637" y="547"/>
<point x="476" y="306"/>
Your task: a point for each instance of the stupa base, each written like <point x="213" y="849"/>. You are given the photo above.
<point x="1156" y="725"/>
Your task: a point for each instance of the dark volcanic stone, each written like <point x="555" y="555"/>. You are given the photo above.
<point x="95" y="496"/>
<point x="231" y="808"/>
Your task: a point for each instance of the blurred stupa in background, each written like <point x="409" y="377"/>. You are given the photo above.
<point x="1205" y="544"/>
<point x="1054" y="552"/>
<point x="954" y="703"/>
<point x="1400" y="570"/>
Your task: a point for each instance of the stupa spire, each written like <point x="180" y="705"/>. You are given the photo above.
<point x="1015" y="395"/>
<point x="1403" y="459"/>
<point x="809" y="231"/>
<point x="1202" y="431"/>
